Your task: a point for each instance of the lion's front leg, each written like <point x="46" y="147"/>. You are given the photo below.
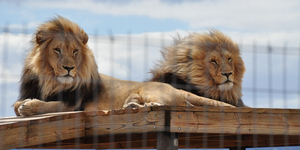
<point x="30" y="107"/>
<point x="137" y="101"/>
<point x="133" y="101"/>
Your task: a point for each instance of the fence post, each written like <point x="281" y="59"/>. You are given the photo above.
<point x="167" y="140"/>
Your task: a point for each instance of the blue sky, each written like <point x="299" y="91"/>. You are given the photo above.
<point x="265" y="21"/>
<point x="17" y="13"/>
<point x="154" y="23"/>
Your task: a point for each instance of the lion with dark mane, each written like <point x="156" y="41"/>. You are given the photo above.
<point x="60" y="74"/>
<point x="207" y="65"/>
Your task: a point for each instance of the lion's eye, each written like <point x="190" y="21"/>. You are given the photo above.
<point x="57" y="50"/>
<point x="229" y="59"/>
<point x="213" y="61"/>
<point x="75" y="51"/>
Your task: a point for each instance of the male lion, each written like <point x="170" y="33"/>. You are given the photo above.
<point x="60" y="74"/>
<point x="207" y="65"/>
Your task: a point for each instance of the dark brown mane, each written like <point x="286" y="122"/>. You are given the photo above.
<point x="185" y="66"/>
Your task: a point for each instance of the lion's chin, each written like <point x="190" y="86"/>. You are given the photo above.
<point x="65" y="80"/>
<point x="226" y="86"/>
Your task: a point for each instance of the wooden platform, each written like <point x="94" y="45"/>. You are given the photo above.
<point x="185" y="127"/>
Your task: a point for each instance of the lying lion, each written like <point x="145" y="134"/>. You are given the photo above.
<point x="60" y="74"/>
<point x="207" y="65"/>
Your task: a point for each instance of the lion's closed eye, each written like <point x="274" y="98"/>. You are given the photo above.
<point x="57" y="50"/>
<point x="75" y="51"/>
<point x="214" y="62"/>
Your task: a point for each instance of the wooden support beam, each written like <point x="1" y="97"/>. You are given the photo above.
<point x="167" y="141"/>
<point x="237" y="148"/>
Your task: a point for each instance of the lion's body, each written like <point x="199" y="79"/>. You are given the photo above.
<point x="207" y="65"/>
<point x="118" y="93"/>
<point x="60" y="74"/>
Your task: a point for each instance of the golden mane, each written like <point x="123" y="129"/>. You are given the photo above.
<point x="187" y="63"/>
<point x="37" y="64"/>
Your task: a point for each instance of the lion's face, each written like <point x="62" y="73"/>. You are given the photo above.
<point x="217" y="68"/>
<point x="60" y="58"/>
<point x="64" y="57"/>
<point x="220" y="68"/>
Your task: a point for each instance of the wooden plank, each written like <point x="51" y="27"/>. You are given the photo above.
<point x="197" y="140"/>
<point x="134" y="145"/>
<point x="225" y="109"/>
<point x="198" y="127"/>
<point x="118" y="111"/>
<point x="13" y="138"/>
<point x="14" y="122"/>
<point x="194" y="140"/>
<point x="103" y="142"/>
<point x="235" y="123"/>
<point x="43" y="131"/>
<point x="152" y="121"/>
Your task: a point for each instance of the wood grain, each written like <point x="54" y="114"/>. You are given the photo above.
<point x="152" y="121"/>
<point x="197" y="127"/>
<point x="42" y="131"/>
<point x="226" y="109"/>
<point x="235" y="123"/>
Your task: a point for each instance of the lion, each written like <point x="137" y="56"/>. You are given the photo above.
<point x="60" y="74"/>
<point x="206" y="64"/>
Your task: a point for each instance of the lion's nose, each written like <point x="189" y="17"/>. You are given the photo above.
<point x="68" y="68"/>
<point x="227" y="74"/>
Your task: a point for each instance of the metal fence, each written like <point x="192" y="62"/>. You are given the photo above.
<point x="272" y="78"/>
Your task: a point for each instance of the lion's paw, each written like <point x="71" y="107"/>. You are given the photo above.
<point x="132" y="105"/>
<point x="30" y="107"/>
<point x="152" y="104"/>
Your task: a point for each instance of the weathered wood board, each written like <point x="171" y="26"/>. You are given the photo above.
<point x="144" y="121"/>
<point x="197" y="127"/>
<point x="235" y="123"/>
<point x="23" y="132"/>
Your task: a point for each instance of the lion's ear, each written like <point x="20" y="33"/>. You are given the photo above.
<point x="85" y="37"/>
<point x="39" y="37"/>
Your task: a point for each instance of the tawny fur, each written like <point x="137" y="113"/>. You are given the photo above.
<point x="60" y="74"/>
<point x="200" y="62"/>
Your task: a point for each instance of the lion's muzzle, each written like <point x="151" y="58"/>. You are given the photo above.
<point x="65" y="79"/>
<point x="226" y="85"/>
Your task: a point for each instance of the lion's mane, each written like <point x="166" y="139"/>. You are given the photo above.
<point x="186" y="66"/>
<point x="38" y="78"/>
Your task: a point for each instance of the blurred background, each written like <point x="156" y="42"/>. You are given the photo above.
<point x="126" y="37"/>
